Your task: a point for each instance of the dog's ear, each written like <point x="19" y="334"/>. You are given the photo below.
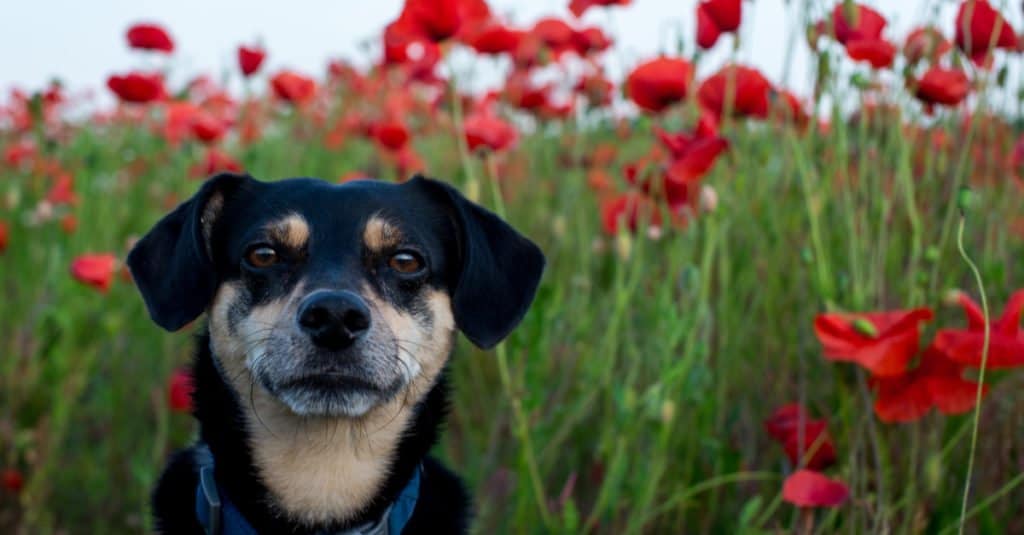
<point x="500" y="268"/>
<point x="172" y="265"/>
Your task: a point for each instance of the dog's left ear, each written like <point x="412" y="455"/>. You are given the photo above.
<point x="500" y="268"/>
<point x="171" y="264"/>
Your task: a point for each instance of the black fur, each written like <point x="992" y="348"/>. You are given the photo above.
<point x="490" y="272"/>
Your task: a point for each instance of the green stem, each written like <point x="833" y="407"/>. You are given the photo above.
<point x="981" y="373"/>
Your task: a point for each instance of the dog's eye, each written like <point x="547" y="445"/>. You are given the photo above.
<point x="406" y="262"/>
<point x="261" y="257"/>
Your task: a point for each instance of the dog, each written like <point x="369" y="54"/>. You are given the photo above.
<point x="319" y="380"/>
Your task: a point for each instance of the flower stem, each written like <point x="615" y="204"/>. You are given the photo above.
<point x="981" y="373"/>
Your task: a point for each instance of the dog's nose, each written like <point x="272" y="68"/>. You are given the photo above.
<point x="334" y="319"/>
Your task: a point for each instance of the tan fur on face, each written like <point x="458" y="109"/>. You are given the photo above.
<point x="291" y="230"/>
<point x="324" y="469"/>
<point x="380" y="234"/>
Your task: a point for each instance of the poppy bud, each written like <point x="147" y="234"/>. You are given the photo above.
<point x="865" y="327"/>
<point x="964" y="199"/>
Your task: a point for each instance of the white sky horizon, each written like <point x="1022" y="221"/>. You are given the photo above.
<point x="82" y="43"/>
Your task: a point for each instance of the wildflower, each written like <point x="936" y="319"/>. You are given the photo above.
<point x="293" y="87"/>
<point x="579" y="7"/>
<point x="715" y="17"/>
<point x="11" y="480"/>
<point x="487" y="130"/>
<point x="925" y="42"/>
<point x="179" y="391"/>
<point x="137" y="87"/>
<point x="791" y="422"/>
<point x="851" y="21"/>
<point x="935" y="382"/>
<point x="150" y="37"/>
<point x="1006" y="344"/>
<point x="250" y="58"/>
<point x="391" y="134"/>
<point x="877" y="52"/>
<point x="748" y="87"/>
<point x="215" y="162"/>
<point x="881" y="342"/>
<point x="938" y="85"/>
<point x="980" y="26"/>
<point x="628" y="209"/>
<point x="96" y="270"/>
<point x="659" y="83"/>
<point x="807" y="488"/>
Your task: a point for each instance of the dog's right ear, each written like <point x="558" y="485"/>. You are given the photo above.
<point x="172" y="264"/>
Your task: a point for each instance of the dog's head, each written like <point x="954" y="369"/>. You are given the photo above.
<point x="335" y="299"/>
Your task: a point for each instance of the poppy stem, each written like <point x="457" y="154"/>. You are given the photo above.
<point x="981" y="373"/>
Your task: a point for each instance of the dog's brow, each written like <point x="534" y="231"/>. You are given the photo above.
<point x="379" y="233"/>
<point x="292" y="230"/>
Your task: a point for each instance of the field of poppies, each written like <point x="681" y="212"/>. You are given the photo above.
<point x="764" y="312"/>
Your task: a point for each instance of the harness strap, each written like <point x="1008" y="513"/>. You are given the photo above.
<point x="219" y="516"/>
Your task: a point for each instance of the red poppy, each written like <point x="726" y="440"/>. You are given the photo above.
<point x="69" y="223"/>
<point x="789" y="424"/>
<point x="250" y="58"/>
<point x="925" y="42"/>
<point x="12" y="480"/>
<point x="807" y="488"/>
<point x="495" y="39"/>
<point x="96" y="270"/>
<point x="980" y="26"/>
<point x="179" y="391"/>
<point x="486" y="130"/>
<point x="5" y="233"/>
<point x="555" y="34"/>
<point x="579" y="7"/>
<point x="591" y="40"/>
<point x="293" y="87"/>
<point x="948" y="87"/>
<point x="215" y="162"/>
<point x="19" y="152"/>
<point x="208" y="128"/>
<point x="522" y="93"/>
<point x="878" y="52"/>
<point x="852" y="21"/>
<point x="629" y="209"/>
<point x="935" y="382"/>
<point x="692" y="155"/>
<point x="659" y="83"/>
<point x="881" y="342"/>
<point x="63" y="190"/>
<point x="1006" y="343"/>
<point x="751" y="92"/>
<point x="715" y="17"/>
<point x="789" y="107"/>
<point x="391" y="134"/>
<point x="150" y="37"/>
<point x="137" y="87"/>
<point x="438" y="20"/>
<point x="597" y="89"/>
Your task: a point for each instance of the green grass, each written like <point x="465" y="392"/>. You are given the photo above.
<point x="630" y="400"/>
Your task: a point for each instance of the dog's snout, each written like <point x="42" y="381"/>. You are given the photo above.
<point x="334" y="319"/>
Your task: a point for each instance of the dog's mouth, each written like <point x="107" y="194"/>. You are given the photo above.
<point x="332" y="394"/>
<point x="330" y="382"/>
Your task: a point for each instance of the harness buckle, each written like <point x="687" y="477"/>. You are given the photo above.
<point x="209" y="494"/>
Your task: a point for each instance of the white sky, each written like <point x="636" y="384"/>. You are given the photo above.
<point x="82" y="41"/>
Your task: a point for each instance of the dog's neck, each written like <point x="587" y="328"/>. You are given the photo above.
<point x="302" y="475"/>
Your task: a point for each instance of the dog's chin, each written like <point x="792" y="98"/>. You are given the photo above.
<point x="334" y="398"/>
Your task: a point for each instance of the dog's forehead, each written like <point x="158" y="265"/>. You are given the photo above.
<point x="336" y="211"/>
